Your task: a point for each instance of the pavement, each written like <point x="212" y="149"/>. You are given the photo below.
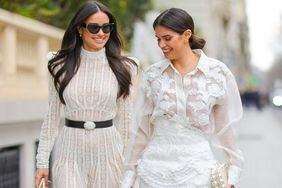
<point x="260" y="139"/>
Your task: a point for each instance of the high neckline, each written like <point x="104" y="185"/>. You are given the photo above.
<point x="89" y="54"/>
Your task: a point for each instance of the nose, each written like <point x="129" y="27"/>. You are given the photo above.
<point x="100" y="32"/>
<point x="161" y="43"/>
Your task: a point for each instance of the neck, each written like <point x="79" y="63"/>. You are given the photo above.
<point x="186" y="63"/>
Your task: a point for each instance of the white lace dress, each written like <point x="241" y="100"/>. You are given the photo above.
<point x="82" y="158"/>
<point x="178" y="119"/>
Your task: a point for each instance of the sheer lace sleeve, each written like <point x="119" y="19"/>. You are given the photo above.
<point x="123" y="119"/>
<point x="226" y="113"/>
<point x="49" y="128"/>
<point x="140" y="132"/>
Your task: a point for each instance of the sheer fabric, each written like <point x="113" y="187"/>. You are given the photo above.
<point x="176" y="120"/>
<point x="87" y="158"/>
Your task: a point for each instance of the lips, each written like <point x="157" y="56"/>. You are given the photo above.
<point x="99" y="40"/>
<point x="166" y="51"/>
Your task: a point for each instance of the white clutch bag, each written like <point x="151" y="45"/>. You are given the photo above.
<point x="219" y="175"/>
<point x="42" y="184"/>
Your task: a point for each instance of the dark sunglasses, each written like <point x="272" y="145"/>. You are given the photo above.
<point x="95" y="28"/>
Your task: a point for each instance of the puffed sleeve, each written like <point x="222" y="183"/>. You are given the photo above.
<point x="50" y="126"/>
<point x="226" y="113"/>
<point x="140" y="132"/>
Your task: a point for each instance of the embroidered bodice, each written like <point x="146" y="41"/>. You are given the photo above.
<point x="177" y="109"/>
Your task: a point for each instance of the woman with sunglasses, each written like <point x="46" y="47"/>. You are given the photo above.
<point x="186" y="104"/>
<point x="91" y="81"/>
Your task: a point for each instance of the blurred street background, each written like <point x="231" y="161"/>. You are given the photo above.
<point x="260" y="140"/>
<point x="245" y="34"/>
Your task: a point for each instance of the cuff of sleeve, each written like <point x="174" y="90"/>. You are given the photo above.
<point x="42" y="165"/>
<point x="129" y="179"/>
<point x="234" y="175"/>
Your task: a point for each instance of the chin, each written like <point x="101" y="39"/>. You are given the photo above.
<point x="99" y="46"/>
<point x="168" y="56"/>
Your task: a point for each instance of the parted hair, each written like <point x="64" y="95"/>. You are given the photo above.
<point x="178" y="20"/>
<point x="64" y="65"/>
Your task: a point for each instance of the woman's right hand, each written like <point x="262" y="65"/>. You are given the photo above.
<point x="41" y="173"/>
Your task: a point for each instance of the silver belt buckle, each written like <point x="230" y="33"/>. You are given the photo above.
<point x="89" y="125"/>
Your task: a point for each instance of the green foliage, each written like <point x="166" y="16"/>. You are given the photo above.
<point x="127" y="12"/>
<point x="59" y="12"/>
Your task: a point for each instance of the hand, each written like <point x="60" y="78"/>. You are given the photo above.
<point x="42" y="173"/>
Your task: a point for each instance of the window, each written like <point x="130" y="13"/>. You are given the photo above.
<point x="9" y="167"/>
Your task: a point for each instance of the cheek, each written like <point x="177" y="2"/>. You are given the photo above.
<point x="179" y="43"/>
<point x="107" y="37"/>
<point x="86" y="35"/>
<point x="173" y="44"/>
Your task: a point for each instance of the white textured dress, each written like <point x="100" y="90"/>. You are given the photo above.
<point x="83" y="158"/>
<point x="179" y="120"/>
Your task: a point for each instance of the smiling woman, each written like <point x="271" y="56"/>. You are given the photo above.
<point x="186" y="104"/>
<point x="92" y="82"/>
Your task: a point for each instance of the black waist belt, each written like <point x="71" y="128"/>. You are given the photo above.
<point x="88" y="125"/>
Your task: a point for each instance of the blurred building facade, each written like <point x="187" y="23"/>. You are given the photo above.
<point x="223" y="24"/>
<point x="24" y="44"/>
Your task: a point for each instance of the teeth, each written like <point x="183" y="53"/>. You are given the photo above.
<point x="99" y="40"/>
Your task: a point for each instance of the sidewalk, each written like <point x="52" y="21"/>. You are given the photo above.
<point x="260" y="138"/>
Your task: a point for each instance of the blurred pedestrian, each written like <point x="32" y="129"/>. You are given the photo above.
<point x="91" y="81"/>
<point x="184" y="103"/>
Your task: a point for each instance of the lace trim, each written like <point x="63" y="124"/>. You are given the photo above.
<point x="154" y="177"/>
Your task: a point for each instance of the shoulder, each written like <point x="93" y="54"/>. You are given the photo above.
<point x="157" y="68"/>
<point x="218" y="67"/>
<point x="51" y="55"/>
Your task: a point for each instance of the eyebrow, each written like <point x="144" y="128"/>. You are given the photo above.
<point x="163" y="36"/>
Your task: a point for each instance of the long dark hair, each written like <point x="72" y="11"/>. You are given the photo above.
<point x="67" y="61"/>
<point x="179" y="21"/>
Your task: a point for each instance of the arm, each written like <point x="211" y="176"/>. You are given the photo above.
<point x="140" y="133"/>
<point x="226" y="113"/>
<point x="49" y="130"/>
<point x="123" y="119"/>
